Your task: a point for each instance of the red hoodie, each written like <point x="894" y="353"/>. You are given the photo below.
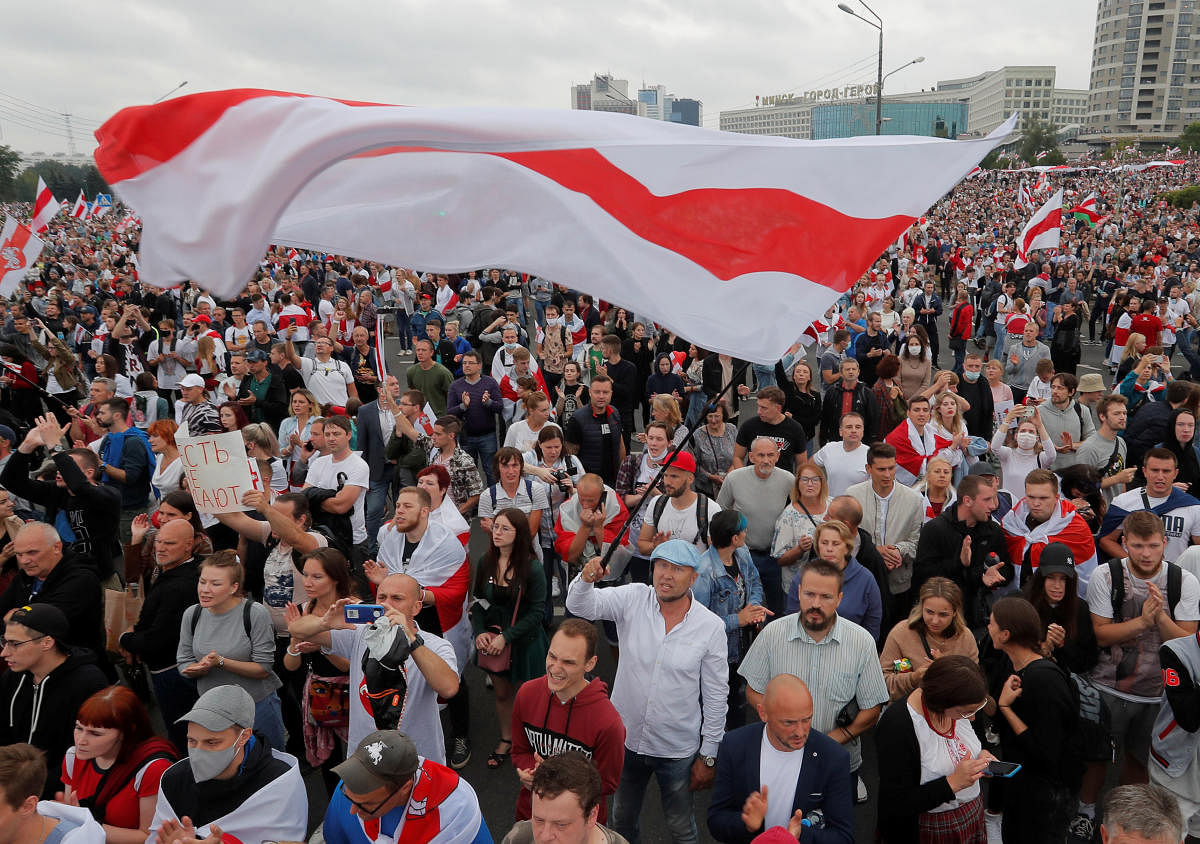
<point x="588" y="723"/>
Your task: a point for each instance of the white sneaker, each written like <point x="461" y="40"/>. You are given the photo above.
<point x="862" y="795"/>
<point x="992" y="822"/>
<point x="555" y="589"/>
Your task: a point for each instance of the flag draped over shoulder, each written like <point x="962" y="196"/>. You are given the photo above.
<point x="1065" y="526"/>
<point x="605" y="202"/>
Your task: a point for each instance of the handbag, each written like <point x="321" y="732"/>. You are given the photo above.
<point x="329" y="701"/>
<point x="501" y="662"/>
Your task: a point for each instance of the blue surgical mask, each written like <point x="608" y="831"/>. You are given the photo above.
<point x="970" y="376"/>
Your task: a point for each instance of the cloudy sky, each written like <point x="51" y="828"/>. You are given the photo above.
<point x="91" y="59"/>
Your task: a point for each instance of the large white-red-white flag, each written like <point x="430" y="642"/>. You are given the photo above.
<point x="1042" y="231"/>
<point x="45" y="208"/>
<point x="683" y="224"/>
<point x="19" y="249"/>
<point x="80" y="209"/>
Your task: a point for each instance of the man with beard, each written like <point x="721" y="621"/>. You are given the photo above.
<point x="673" y="650"/>
<point x="125" y="460"/>
<point x="823" y="650"/>
<point x="565" y="711"/>
<point x="432" y="553"/>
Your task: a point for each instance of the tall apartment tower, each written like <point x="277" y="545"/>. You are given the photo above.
<point x="1145" y="80"/>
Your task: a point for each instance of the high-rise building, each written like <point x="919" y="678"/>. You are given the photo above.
<point x="1145" y="81"/>
<point x="604" y="93"/>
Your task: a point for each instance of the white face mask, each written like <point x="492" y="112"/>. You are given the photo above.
<point x="914" y="348"/>
<point x="1026" y="439"/>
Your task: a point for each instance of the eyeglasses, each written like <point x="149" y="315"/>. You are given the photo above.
<point x="6" y="644"/>
<point x="362" y="807"/>
<point x="805" y="480"/>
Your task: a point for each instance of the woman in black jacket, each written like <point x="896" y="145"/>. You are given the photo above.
<point x="1038" y="711"/>
<point x="802" y="400"/>
<point x="1068" y="637"/>
<point x="931" y="761"/>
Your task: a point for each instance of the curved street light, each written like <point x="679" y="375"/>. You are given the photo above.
<point x="878" y="24"/>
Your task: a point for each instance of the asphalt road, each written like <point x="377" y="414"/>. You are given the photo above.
<point x="497" y="790"/>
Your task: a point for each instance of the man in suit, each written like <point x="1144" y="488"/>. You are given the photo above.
<point x="776" y="773"/>
<point x="376" y="427"/>
<point x="893" y="515"/>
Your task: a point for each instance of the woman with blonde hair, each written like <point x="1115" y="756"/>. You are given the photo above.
<point x="1135" y="347"/>
<point x="946" y="409"/>
<point x="939" y="486"/>
<point x="296" y="430"/>
<point x="793" y="538"/>
<point x="262" y="446"/>
<point x="935" y="627"/>
<point x="209" y="364"/>
<point x="862" y="603"/>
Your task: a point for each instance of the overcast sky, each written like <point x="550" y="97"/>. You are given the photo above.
<point x="91" y="59"/>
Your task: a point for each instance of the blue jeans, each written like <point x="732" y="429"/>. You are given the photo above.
<point x="772" y="581"/>
<point x="175" y="695"/>
<point x="695" y="407"/>
<point x="764" y="376"/>
<point x="483" y="447"/>
<point x="377" y="501"/>
<point x="540" y="307"/>
<point x="673" y="776"/>
<point x="268" y="721"/>
<point x="402" y="329"/>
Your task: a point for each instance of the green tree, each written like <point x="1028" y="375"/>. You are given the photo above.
<point x="10" y="160"/>
<point x="1038" y="137"/>
<point x="1190" y="139"/>
<point x="64" y="180"/>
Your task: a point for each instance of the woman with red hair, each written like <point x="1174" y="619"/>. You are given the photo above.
<point x="233" y="416"/>
<point x="114" y="768"/>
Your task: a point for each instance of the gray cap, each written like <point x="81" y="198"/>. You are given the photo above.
<point x="983" y="468"/>
<point x="384" y="759"/>
<point x="222" y="707"/>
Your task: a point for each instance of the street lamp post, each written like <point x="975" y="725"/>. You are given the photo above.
<point x="878" y="24"/>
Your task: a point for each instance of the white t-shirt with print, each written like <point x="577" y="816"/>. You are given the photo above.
<point x="323" y="472"/>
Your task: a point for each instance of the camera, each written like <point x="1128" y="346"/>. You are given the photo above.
<point x="560" y="477"/>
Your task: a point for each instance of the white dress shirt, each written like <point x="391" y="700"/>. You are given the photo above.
<point x="662" y="675"/>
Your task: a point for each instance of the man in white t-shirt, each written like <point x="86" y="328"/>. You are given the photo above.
<point x="344" y="470"/>
<point x="330" y="380"/>
<point x="845" y="462"/>
<point x="431" y="667"/>
<point x="680" y="516"/>
<point x="1132" y="621"/>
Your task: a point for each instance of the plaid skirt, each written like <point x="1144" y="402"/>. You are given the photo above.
<point x="963" y="825"/>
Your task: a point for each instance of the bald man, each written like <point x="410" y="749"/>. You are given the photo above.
<point x="777" y="772"/>
<point x="154" y="640"/>
<point x="431" y="666"/>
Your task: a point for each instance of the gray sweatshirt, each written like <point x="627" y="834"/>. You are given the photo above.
<point x="226" y="634"/>
<point x="761" y="500"/>
<point x="1022" y="373"/>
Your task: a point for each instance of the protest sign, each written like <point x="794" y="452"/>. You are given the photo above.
<point x="217" y="471"/>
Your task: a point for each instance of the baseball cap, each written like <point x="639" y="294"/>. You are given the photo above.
<point x="684" y="461"/>
<point x="1057" y="559"/>
<point x="8" y="434"/>
<point x="222" y="707"/>
<point x="678" y="552"/>
<point x="983" y="468"/>
<point x="46" y="619"/>
<point x="191" y="380"/>
<point x="204" y="318"/>
<point x="1090" y="383"/>
<point x="256" y="355"/>
<point x="383" y="759"/>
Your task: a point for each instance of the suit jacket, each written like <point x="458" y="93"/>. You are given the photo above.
<point x="905" y="515"/>
<point x="824" y="783"/>
<point x="372" y="443"/>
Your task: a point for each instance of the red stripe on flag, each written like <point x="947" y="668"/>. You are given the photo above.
<point x="1053" y="221"/>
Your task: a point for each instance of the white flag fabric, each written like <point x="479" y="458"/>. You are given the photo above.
<point x="19" y="249"/>
<point x="80" y="209"/>
<point x="45" y="208"/>
<point x="1042" y="231"/>
<point x="687" y="226"/>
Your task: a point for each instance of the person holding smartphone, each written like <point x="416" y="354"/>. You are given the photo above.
<point x="931" y="760"/>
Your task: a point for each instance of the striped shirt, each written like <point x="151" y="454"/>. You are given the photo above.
<point x="840" y="668"/>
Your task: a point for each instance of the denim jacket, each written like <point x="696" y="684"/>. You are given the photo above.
<point x="717" y="591"/>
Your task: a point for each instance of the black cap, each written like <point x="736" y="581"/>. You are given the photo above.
<point x="1057" y="558"/>
<point x="46" y="619"/>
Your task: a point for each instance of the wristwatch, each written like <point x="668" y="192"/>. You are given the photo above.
<point x="709" y="761"/>
<point x="417" y="642"/>
<point x="220" y="662"/>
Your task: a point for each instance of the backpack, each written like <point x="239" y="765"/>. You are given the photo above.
<point x="1117" y="594"/>
<point x="335" y="527"/>
<point x="660" y="507"/>
<point x="528" y="491"/>
<point x="245" y="618"/>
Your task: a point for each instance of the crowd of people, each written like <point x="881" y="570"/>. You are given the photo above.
<point x="923" y="537"/>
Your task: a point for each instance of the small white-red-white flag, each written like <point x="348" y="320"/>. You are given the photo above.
<point x="19" y="248"/>
<point x="45" y="208"/>
<point x="80" y="210"/>
<point x="425" y="421"/>
<point x="1042" y="231"/>
<point x="381" y="369"/>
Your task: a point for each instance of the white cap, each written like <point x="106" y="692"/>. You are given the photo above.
<point x="192" y="380"/>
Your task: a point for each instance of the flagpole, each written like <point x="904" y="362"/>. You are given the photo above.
<point x="709" y="407"/>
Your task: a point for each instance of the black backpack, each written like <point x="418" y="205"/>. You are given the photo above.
<point x="335" y="527"/>
<point x="246" y="604"/>
<point x="1117" y="594"/>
